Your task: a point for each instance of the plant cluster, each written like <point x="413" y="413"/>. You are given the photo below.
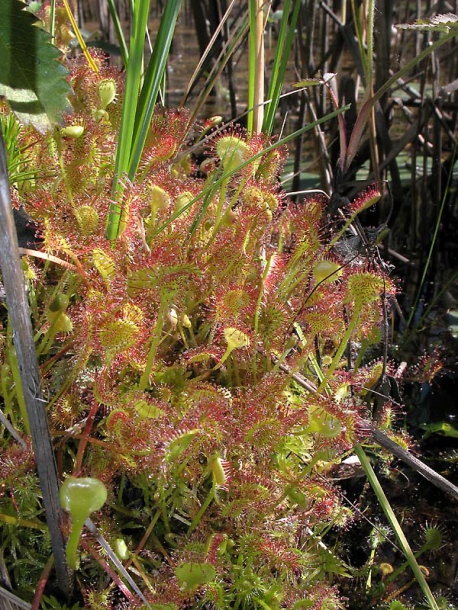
<point x="167" y="358"/>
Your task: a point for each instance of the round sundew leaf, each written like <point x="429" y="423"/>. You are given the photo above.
<point x="327" y="271"/>
<point x="235" y="338"/>
<point x="61" y="323"/>
<point x="107" y="91"/>
<point x="160" y="199"/>
<point x="119" y="336"/>
<point x="218" y="472"/>
<point x="88" y="219"/>
<point x="72" y="131"/>
<point x="121" y="549"/>
<point x="324" y="424"/>
<point x="192" y="575"/>
<point x="81" y="497"/>
<point x="365" y="287"/>
<point x="232" y="151"/>
<point x="434" y="538"/>
<point x="59" y="303"/>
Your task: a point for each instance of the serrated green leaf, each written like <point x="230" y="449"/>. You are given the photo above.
<point x="31" y="77"/>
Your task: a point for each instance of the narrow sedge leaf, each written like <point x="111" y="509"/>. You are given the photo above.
<point x="283" y="51"/>
<point x="137" y="111"/>
<point x="119" y="32"/>
<point x="251" y="63"/>
<point x="133" y="81"/>
<point x="152" y="82"/>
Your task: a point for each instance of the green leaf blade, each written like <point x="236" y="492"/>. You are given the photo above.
<point x="153" y="77"/>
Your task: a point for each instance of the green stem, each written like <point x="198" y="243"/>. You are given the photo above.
<point x="392" y="577"/>
<point x="119" y="33"/>
<point x="256" y="67"/>
<point x="261" y="603"/>
<point x="72" y="544"/>
<point x="5" y="370"/>
<point x="48" y="338"/>
<point x="52" y="20"/>
<point x="63" y="170"/>
<point x="18" y="385"/>
<point x="362" y="350"/>
<point x="208" y="500"/>
<point x="370" y="45"/>
<point x="219" y="209"/>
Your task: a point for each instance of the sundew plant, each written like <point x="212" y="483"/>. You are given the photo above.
<point x="208" y="368"/>
<point x="166" y="356"/>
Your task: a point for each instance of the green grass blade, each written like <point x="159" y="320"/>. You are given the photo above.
<point x="251" y="63"/>
<point x="119" y="33"/>
<point x="383" y="501"/>
<point x="126" y="132"/>
<point x="258" y="77"/>
<point x="359" y="29"/>
<point x="284" y="46"/>
<point x="276" y="75"/>
<point x="153" y="80"/>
